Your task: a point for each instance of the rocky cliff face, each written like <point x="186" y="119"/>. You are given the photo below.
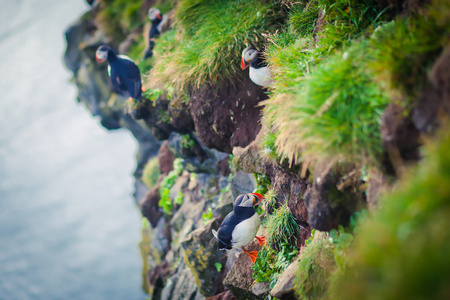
<point x="210" y="148"/>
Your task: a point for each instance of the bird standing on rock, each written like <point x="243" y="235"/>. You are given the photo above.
<point x="240" y="226"/>
<point x="259" y="71"/>
<point x="158" y="21"/>
<point x="123" y="72"/>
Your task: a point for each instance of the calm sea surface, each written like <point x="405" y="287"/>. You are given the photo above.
<point x="68" y="224"/>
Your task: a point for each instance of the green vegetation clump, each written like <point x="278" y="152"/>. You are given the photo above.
<point x="336" y="113"/>
<point x="406" y="48"/>
<point x="270" y="263"/>
<point x="402" y="250"/>
<point x="186" y="141"/>
<point x="151" y="172"/>
<point x="316" y="264"/>
<point x="263" y="183"/>
<point x="120" y="16"/>
<point x="281" y="227"/>
<point x="270" y="200"/>
<point x="324" y="100"/>
<point x="213" y="35"/>
<point x="166" y="203"/>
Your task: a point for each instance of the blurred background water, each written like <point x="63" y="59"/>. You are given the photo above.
<point x="68" y="224"/>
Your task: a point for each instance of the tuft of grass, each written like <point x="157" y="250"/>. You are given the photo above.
<point x="336" y="114"/>
<point x="406" y="48"/>
<point x="281" y="227"/>
<point x="270" y="200"/>
<point x="303" y="18"/>
<point x="213" y="35"/>
<point x="402" y="250"/>
<point x="151" y="172"/>
<point x="316" y="263"/>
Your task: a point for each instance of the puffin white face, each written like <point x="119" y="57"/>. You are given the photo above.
<point x="249" y="55"/>
<point x="154" y="13"/>
<point x="249" y="200"/>
<point x="102" y="53"/>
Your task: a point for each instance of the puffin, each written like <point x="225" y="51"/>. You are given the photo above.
<point x="259" y="71"/>
<point x="123" y="72"/>
<point x="240" y="226"/>
<point x="158" y="21"/>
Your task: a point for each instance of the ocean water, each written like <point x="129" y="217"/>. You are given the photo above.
<point x="68" y="224"/>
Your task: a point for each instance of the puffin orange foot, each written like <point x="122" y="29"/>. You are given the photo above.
<point x="143" y="89"/>
<point x="252" y="254"/>
<point x="261" y="240"/>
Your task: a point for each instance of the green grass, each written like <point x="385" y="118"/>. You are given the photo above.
<point x="214" y="33"/>
<point x="303" y="18"/>
<point x="402" y="250"/>
<point x="281" y="227"/>
<point x="270" y="200"/>
<point x="120" y="16"/>
<point x="316" y="263"/>
<point x="321" y="102"/>
<point x="336" y="114"/>
<point x="151" y="172"/>
<point x="406" y="49"/>
<point x="166" y="203"/>
<point x="270" y="263"/>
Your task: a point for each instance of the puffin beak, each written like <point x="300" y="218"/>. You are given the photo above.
<point x="159" y="16"/>
<point x="99" y="60"/>
<point x="258" y="198"/>
<point x="244" y="64"/>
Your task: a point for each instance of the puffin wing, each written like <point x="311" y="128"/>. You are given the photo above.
<point x="117" y="82"/>
<point x="224" y="234"/>
<point x="130" y="76"/>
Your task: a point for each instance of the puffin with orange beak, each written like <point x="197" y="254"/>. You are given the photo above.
<point x="259" y="71"/>
<point x="240" y="226"/>
<point x="123" y="72"/>
<point x="158" y="21"/>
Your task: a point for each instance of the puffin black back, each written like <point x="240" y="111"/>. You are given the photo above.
<point x="260" y="62"/>
<point x="225" y="233"/>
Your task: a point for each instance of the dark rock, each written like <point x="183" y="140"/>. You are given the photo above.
<point x="227" y="295"/>
<point x="75" y="34"/>
<point x="399" y="136"/>
<point x="193" y="152"/>
<point x="260" y="289"/>
<point x="140" y="190"/>
<point x="181" y="285"/>
<point x="328" y="207"/>
<point x="180" y="117"/>
<point x="157" y="276"/>
<point x="110" y="123"/>
<point x="240" y="277"/>
<point x="227" y="118"/>
<point x="201" y="253"/>
<point x="433" y="104"/>
<point x="250" y="159"/>
<point x="165" y="158"/>
<point x="149" y="205"/>
<point x="224" y="167"/>
<point x="376" y="185"/>
<point x="242" y="183"/>
<point x="285" y="286"/>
